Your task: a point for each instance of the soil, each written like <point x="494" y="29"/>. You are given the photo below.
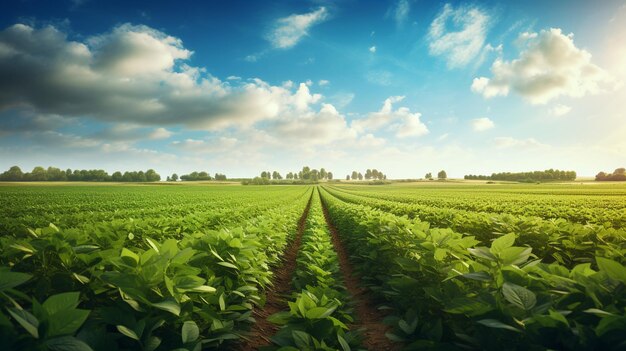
<point x="368" y="317"/>
<point x="277" y="295"/>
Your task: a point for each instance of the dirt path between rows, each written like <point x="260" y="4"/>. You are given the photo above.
<point x="275" y="301"/>
<point x="368" y="317"/>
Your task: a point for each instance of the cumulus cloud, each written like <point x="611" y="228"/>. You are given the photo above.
<point x="401" y="121"/>
<point x="372" y="49"/>
<point x="458" y="34"/>
<point x="549" y="66"/>
<point x="291" y="29"/>
<point x="133" y="74"/>
<point x="482" y="124"/>
<point x="559" y="110"/>
<point x="323" y="82"/>
<point x="509" y="142"/>
<point x="322" y="127"/>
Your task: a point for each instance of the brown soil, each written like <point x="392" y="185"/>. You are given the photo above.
<point x="277" y="294"/>
<point x="369" y="318"/>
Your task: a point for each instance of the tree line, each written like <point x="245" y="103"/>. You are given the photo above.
<point x="306" y="175"/>
<point x="536" y="176"/>
<point x="52" y="174"/>
<point x="618" y="175"/>
<point x="196" y="176"/>
<point x="370" y="174"/>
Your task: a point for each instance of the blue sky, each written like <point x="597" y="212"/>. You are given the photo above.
<point x="238" y="87"/>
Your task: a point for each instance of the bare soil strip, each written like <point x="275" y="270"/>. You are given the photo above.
<point x="368" y="317"/>
<point x="276" y="299"/>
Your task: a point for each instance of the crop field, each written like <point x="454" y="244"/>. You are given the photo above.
<point x="415" y="266"/>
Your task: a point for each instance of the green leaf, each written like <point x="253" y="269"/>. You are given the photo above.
<point x="613" y="269"/>
<point x="343" y="343"/>
<point x="320" y="312"/>
<point x="169" y="306"/>
<point x="85" y="249"/>
<point x="204" y="289"/>
<point x="190" y="332"/>
<point x="482" y="252"/>
<point x="221" y="302"/>
<point x="502" y="243"/>
<point x="515" y="255"/>
<point x="128" y="332"/>
<point x="302" y="339"/>
<point x="280" y="318"/>
<point x="9" y="280"/>
<point x="152" y="343"/>
<point x="129" y="257"/>
<point x="26" y="320"/>
<point x="152" y="244"/>
<point x="67" y="343"/>
<point x="59" y="302"/>
<point x="519" y="296"/>
<point x="480" y="276"/>
<point x="493" y="323"/>
<point x="227" y="264"/>
<point x="66" y="322"/>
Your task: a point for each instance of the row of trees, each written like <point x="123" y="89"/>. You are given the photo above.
<point x="370" y="174"/>
<point x="441" y="175"/>
<point x="536" y="176"/>
<point x="618" y="175"/>
<point x="40" y="174"/>
<point x="196" y="176"/>
<point x="306" y="174"/>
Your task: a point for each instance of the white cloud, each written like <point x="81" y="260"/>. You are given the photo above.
<point x="401" y="121"/>
<point x="443" y="136"/>
<point x="290" y="30"/>
<point x="458" y="35"/>
<point x="559" y="110"/>
<point x="212" y="145"/>
<point x="509" y="142"/>
<point x="133" y="74"/>
<point x="323" y="82"/>
<point x="482" y="124"/>
<point x="322" y="127"/>
<point x="370" y="141"/>
<point x="400" y="11"/>
<point x="550" y="66"/>
<point x="160" y="133"/>
<point x="372" y="49"/>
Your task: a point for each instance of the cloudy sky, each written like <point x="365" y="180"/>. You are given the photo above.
<point x="238" y="87"/>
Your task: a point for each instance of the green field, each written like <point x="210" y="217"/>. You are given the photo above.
<point x="429" y="265"/>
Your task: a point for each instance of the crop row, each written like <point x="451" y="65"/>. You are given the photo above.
<point x="598" y="209"/>
<point x="559" y="240"/>
<point x="81" y="289"/>
<point x="451" y="292"/>
<point x="318" y="314"/>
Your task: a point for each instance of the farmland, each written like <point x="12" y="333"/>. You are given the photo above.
<point x="313" y="267"/>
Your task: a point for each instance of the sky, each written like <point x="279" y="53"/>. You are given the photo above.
<point x="239" y="87"/>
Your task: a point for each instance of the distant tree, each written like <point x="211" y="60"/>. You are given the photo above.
<point x="13" y="174"/>
<point x="117" y="176"/>
<point x="360" y="176"/>
<point x="442" y="174"/>
<point x="428" y="175"/>
<point x="152" y="176"/>
<point x="329" y="175"/>
<point x="290" y="175"/>
<point x="355" y="175"/>
<point x="348" y="177"/>
<point x="174" y="177"/>
<point x="368" y="174"/>
<point x="38" y="174"/>
<point x="601" y="176"/>
<point x="323" y="173"/>
<point x="276" y="175"/>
